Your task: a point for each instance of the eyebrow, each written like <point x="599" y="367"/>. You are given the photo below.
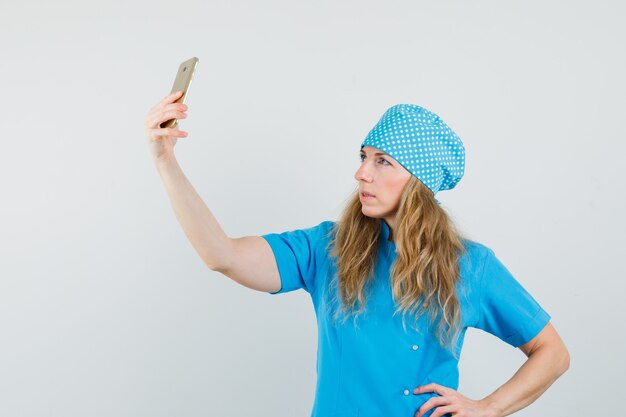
<point x="377" y="153"/>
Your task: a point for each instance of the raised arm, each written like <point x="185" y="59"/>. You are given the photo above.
<point x="252" y="264"/>
<point x="249" y="260"/>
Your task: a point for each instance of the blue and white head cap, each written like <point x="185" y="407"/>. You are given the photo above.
<point x="422" y="143"/>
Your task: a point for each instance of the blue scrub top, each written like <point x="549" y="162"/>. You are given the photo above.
<point x="370" y="367"/>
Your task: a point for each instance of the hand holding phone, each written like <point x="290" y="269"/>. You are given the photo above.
<point x="182" y="82"/>
<point x="161" y="121"/>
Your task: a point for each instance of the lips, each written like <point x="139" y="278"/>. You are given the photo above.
<point x="366" y="194"/>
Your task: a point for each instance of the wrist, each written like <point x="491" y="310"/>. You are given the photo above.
<point x="165" y="164"/>
<point x="490" y="408"/>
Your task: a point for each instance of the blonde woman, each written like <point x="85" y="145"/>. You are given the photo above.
<point x="393" y="283"/>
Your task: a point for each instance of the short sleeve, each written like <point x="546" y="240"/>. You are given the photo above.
<point x="506" y="309"/>
<point x="299" y="256"/>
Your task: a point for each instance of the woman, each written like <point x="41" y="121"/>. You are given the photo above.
<point x="394" y="250"/>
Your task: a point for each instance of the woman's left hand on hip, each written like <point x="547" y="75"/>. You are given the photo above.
<point x="450" y="402"/>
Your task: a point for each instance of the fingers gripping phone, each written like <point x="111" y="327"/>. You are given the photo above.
<point x="182" y="83"/>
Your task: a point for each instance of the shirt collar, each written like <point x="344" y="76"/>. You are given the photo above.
<point x="389" y="246"/>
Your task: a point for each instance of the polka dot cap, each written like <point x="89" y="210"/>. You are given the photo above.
<point x="422" y="143"/>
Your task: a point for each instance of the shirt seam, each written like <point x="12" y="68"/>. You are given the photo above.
<point x="482" y="287"/>
<point x="324" y="260"/>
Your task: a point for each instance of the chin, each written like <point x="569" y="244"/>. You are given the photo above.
<point x="370" y="213"/>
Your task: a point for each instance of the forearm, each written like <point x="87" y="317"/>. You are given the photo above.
<point x="532" y="379"/>
<point x="197" y="221"/>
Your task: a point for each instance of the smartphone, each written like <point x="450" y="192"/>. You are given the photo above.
<point x="182" y="82"/>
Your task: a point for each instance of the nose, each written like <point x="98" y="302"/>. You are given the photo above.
<point x="361" y="174"/>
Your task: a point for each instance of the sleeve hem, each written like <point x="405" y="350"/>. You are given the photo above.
<point x="535" y="325"/>
<point x="274" y="243"/>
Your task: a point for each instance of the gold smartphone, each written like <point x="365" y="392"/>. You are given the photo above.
<point x="182" y="82"/>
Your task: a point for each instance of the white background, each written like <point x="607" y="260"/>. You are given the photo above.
<point x="106" y="309"/>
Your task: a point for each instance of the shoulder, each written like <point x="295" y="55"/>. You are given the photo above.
<point x="322" y="231"/>
<point x="474" y="256"/>
<point x="304" y="239"/>
<point x="327" y="226"/>
<point x="472" y="264"/>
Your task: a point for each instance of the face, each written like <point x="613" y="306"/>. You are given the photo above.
<point x="380" y="175"/>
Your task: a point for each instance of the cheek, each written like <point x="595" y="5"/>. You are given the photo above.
<point x="390" y="191"/>
<point x="395" y="191"/>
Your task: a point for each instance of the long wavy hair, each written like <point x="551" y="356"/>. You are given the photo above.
<point x="426" y="268"/>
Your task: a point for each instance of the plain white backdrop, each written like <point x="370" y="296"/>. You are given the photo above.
<point x="106" y="309"/>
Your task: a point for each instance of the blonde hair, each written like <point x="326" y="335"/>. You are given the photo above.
<point x="426" y="269"/>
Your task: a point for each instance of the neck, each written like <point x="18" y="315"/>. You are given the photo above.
<point x="390" y="225"/>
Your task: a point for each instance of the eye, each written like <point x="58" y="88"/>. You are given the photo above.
<point x="381" y="159"/>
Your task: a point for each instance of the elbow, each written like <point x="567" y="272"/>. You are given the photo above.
<point x="215" y="267"/>
<point x="556" y="357"/>
<point x="560" y="359"/>
<point x="220" y="262"/>
<point x="565" y="360"/>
